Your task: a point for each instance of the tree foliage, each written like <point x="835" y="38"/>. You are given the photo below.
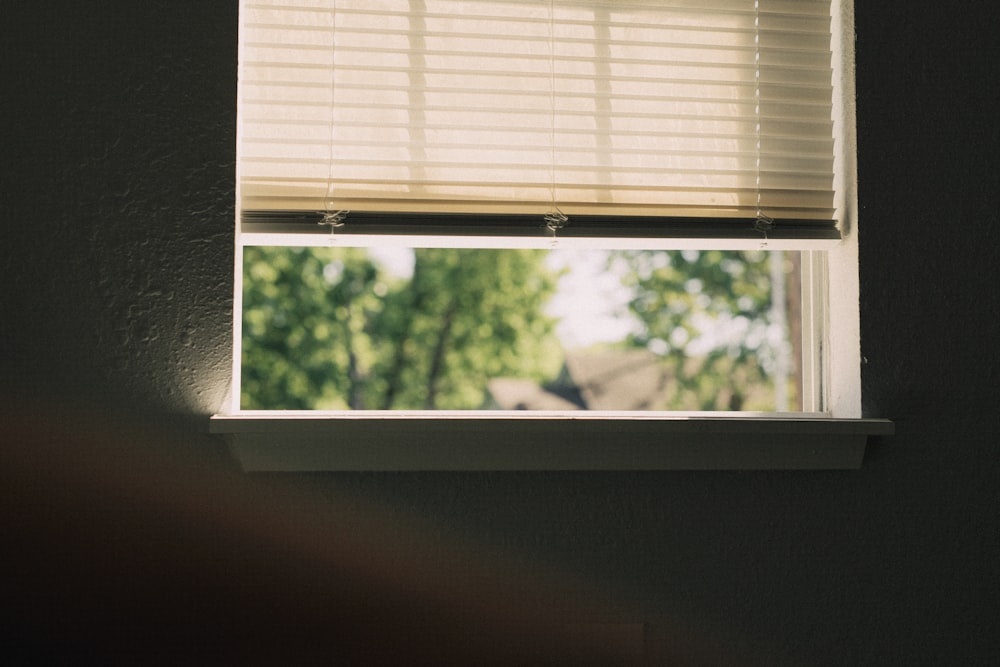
<point x="336" y="328"/>
<point x="332" y="328"/>
<point x="709" y="316"/>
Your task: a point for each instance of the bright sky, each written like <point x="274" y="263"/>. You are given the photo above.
<point x="590" y="301"/>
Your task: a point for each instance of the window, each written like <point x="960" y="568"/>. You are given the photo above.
<point x="586" y="124"/>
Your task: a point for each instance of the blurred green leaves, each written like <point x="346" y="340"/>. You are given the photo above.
<point x="709" y="316"/>
<point x="332" y="328"/>
<point x="340" y="328"/>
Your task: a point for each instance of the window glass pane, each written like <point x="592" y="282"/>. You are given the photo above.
<point x="564" y="329"/>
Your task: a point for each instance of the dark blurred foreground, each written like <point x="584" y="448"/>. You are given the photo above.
<point x="127" y="547"/>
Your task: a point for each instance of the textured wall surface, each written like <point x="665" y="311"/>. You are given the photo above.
<point x="118" y="160"/>
<point x="118" y="150"/>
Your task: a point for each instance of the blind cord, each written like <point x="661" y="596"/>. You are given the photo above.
<point x="763" y="223"/>
<point x="332" y="216"/>
<point x="554" y="219"/>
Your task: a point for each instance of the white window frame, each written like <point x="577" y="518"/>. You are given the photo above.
<point x="830" y="433"/>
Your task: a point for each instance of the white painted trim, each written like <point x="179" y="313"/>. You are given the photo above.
<point x="844" y="326"/>
<point x="539" y="242"/>
<point x="233" y="398"/>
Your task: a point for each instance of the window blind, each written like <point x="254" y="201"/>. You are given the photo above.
<point x="680" y="109"/>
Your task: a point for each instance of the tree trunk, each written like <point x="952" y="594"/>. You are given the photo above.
<point x="437" y="360"/>
<point x="354" y="398"/>
<point x="395" y="375"/>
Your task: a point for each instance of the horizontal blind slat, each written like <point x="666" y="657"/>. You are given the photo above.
<point x="655" y="105"/>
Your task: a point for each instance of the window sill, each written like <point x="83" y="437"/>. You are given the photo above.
<point x="401" y="441"/>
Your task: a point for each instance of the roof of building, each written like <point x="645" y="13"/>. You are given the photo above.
<point x="605" y="379"/>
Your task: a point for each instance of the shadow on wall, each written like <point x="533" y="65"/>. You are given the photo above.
<point x="120" y="545"/>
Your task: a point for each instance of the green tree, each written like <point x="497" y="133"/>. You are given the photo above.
<point x="303" y="320"/>
<point x="711" y="318"/>
<point x="330" y="328"/>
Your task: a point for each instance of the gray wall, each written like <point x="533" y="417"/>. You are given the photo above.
<point x="118" y="150"/>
